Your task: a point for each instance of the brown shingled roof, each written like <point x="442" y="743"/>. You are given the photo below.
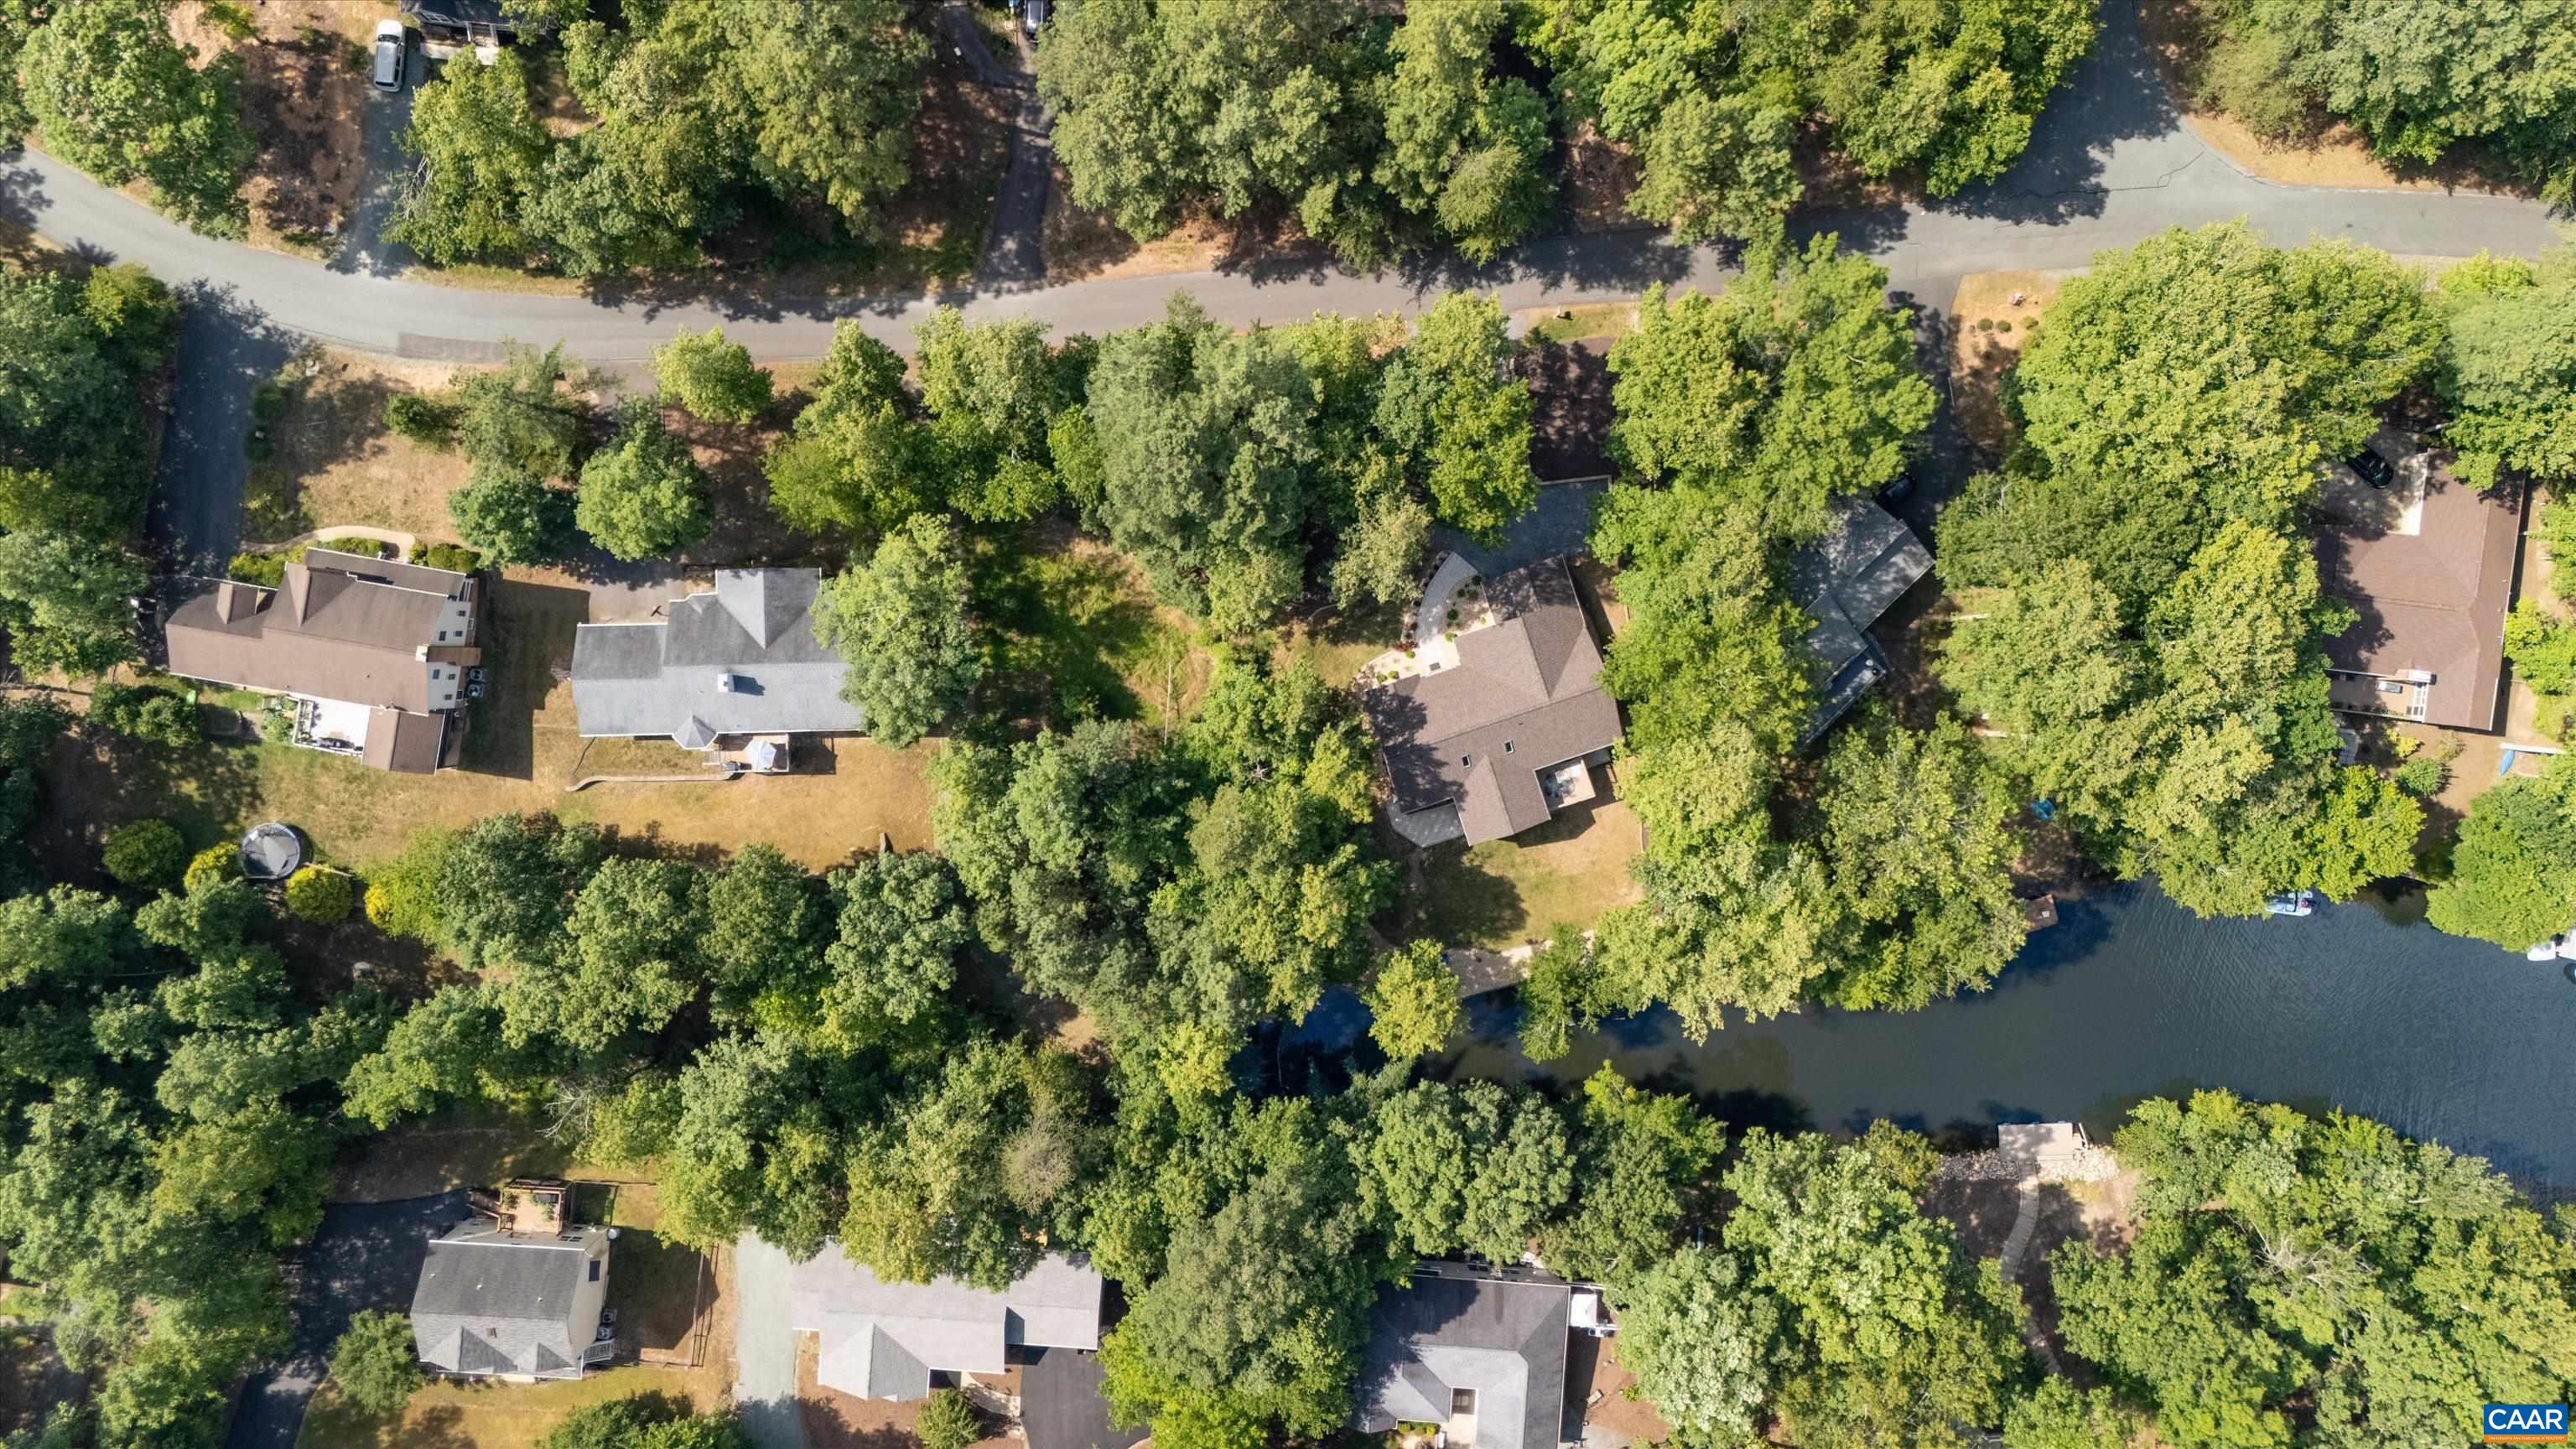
<point x="2432" y="600"/>
<point x="338" y="627"/>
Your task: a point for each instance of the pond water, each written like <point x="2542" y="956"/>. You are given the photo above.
<point x="2130" y="996"/>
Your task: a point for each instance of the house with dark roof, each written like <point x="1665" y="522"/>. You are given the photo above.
<point x="375" y="654"/>
<point x="735" y="670"/>
<point x="1480" y="1355"/>
<point x="2427" y="564"/>
<point x="1495" y="717"/>
<point x="494" y="1303"/>
<point x="1845" y="581"/>
<point x="882" y="1340"/>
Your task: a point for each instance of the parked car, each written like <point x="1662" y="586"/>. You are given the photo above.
<point x="1033" y="15"/>
<point x="392" y="55"/>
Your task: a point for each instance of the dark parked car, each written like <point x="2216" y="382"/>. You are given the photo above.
<point x="391" y="53"/>
<point x="2374" y="469"/>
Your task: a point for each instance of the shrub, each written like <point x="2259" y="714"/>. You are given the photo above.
<point x="257" y="447"/>
<point x="454" y="556"/>
<point x="211" y="866"/>
<point x="2543" y="650"/>
<point x="267" y="570"/>
<point x="947" y="1421"/>
<point x="402" y="894"/>
<point x="375" y="1363"/>
<point x="2423" y="776"/>
<point x="268" y="402"/>
<point x="429" y="421"/>
<point x="277" y="722"/>
<point x="318" y="895"/>
<point x="232" y="19"/>
<point x="146" y="853"/>
<point x="714" y="379"/>
<point x="1985" y="324"/>
<point x="157" y="716"/>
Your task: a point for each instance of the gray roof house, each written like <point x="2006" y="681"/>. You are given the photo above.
<point x="1845" y="581"/>
<point x="738" y="661"/>
<point x="502" y="1304"/>
<point x="1482" y="1357"/>
<point x="1493" y="743"/>
<point x="882" y="1340"/>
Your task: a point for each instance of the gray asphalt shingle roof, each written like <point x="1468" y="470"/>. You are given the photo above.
<point x="882" y="1340"/>
<point x="1845" y="581"/>
<point x="741" y="660"/>
<point x="1449" y="1328"/>
<point x="491" y="1302"/>
<point x="1526" y="694"/>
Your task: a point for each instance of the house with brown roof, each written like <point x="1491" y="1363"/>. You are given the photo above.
<point x="2427" y="564"/>
<point x="1495" y="716"/>
<point x="374" y="654"/>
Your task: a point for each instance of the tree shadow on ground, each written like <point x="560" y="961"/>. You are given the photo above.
<point x="527" y="635"/>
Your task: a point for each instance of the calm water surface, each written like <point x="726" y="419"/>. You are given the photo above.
<point x="2131" y="996"/>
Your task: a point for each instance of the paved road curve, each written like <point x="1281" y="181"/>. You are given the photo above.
<point x="2110" y="163"/>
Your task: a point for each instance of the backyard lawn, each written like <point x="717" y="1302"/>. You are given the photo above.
<point x="521" y="750"/>
<point x="1507" y="893"/>
<point x="464" y="1414"/>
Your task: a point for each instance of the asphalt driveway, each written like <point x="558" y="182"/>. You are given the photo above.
<point x="366" y="1255"/>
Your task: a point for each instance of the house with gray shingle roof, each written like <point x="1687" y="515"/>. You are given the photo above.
<point x="1845" y="581"/>
<point x="737" y="665"/>
<point x="1482" y="1356"/>
<point x="519" y="1305"/>
<point x="1503" y="721"/>
<point x="883" y="1340"/>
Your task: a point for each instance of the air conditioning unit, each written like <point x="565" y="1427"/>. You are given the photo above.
<point x="2391" y="686"/>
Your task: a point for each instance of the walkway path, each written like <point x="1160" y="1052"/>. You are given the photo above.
<point x="1015" y="241"/>
<point x="764" y="1347"/>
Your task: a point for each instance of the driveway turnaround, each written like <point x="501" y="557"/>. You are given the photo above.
<point x="365" y="1255"/>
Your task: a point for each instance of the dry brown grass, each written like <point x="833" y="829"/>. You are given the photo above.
<point x="1084" y="245"/>
<point x="302" y="95"/>
<point x="1979" y="359"/>
<point x="337" y="463"/>
<point x="482" y="1414"/>
<point x="1514" y="892"/>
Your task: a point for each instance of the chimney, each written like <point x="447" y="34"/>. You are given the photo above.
<point x="724" y="680"/>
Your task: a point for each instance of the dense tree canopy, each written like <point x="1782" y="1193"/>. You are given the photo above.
<point x="2509" y="366"/>
<point x="904" y="621"/>
<point x="2513" y="873"/>
<point x="2297" y="1281"/>
<point x="2419" y="78"/>
<point x="1373" y="135"/>
<point x="643" y="496"/>
<point x="1711" y="99"/>
<point x="704" y="113"/>
<point x="118" y="97"/>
